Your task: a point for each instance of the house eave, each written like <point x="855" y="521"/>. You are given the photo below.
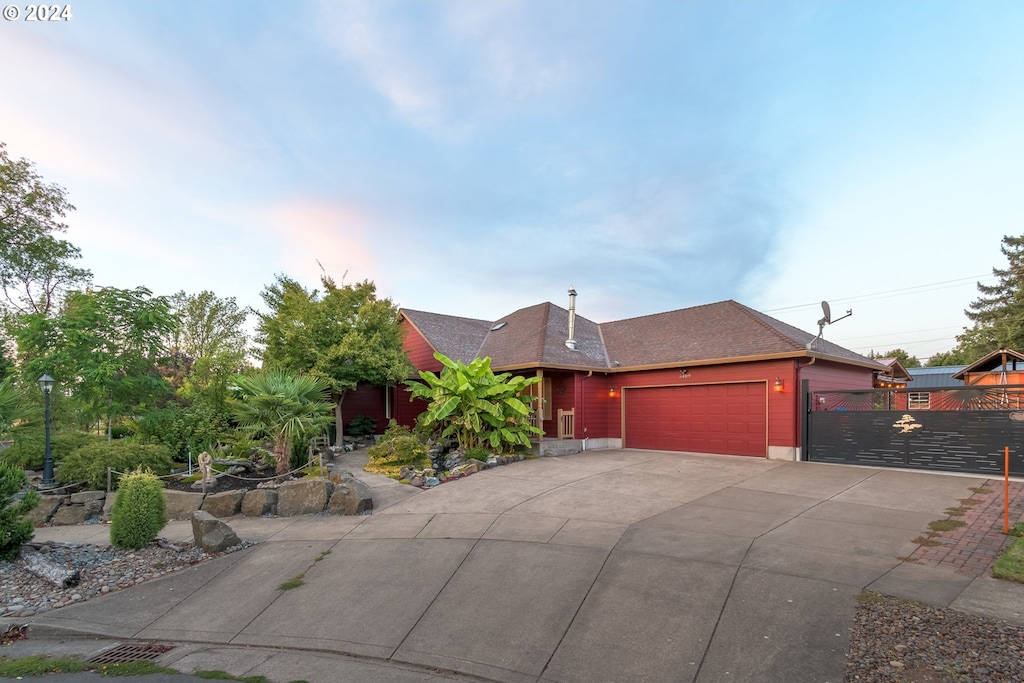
<point x="691" y="363"/>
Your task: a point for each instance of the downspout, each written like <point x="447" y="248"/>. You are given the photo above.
<point x="583" y="399"/>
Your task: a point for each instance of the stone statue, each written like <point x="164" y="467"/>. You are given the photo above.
<point x="205" y="466"/>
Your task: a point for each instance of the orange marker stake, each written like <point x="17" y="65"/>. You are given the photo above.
<point x="1006" y="491"/>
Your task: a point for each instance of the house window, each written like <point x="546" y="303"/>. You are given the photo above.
<point x="919" y="400"/>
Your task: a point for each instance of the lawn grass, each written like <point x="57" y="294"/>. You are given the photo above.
<point x="44" y="665"/>
<point x="1010" y="565"/>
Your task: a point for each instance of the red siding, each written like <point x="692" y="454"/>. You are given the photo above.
<point x="365" y="400"/>
<point x="420" y="352"/>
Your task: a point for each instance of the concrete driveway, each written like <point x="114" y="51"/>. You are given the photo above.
<point x="602" y="566"/>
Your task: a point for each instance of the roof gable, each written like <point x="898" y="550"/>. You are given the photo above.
<point x="1000" y="359"/>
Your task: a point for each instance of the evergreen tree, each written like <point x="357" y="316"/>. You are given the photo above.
<point x="998" y="314"/>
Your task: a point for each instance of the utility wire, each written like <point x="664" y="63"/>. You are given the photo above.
<point x="945" y="284"/>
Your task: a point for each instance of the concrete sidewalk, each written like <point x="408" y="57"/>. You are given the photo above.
<point x="602" y="566"/>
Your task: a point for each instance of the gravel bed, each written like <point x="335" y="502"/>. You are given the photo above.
<point x="901" y="641"/>
<point x="103" y="568"/>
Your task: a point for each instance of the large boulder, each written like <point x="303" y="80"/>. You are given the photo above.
<point x="181" y="504"/>
<point x="224" y="504"/>
<point x="306" y="496"/>
<point x="211" y="534"/>
<point x="259" y="502"/>
<point x="83" y="497"/>
<point x="69" y="514"/>
<point x="350" y="497"/>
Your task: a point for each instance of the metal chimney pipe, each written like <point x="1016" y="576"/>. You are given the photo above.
<point x="571" y="341"/>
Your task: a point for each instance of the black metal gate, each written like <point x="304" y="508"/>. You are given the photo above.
<point x="958" y="430"/>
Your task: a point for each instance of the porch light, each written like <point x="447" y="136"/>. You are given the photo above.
<point x="779" y="386"/>
<point x="612" y="393"/>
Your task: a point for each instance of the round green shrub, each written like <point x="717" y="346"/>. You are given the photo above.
<point x="14" y="530"/>
<point x="139" y="511"/>
<point x="90" y="463"/>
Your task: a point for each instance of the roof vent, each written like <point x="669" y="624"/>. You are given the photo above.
<point x="498" y="326"/>
<point x="570" y="343"/>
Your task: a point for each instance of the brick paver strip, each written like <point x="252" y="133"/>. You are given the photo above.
<point x="974" y="548"/>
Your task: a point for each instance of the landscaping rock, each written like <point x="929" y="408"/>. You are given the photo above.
<point x="259" y="502"/>
<point x="84" y="497"/>
<point x="42" y="513"/>
<point x="67" y="515"/>
<point x="307" y="496"/>
<point x="108" y="505"/>
<point x="181" y="504"/>
<point x="226" y="504"/>
<point x="211" y="534"/>
<point x="350" y="497"/>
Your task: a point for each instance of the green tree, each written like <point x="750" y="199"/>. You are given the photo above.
<point x="344" y="335"/>
<point x="17" y="412"/>
<point x="953" y="357"/>
<point x="477" y="407"/>
<point x="282" y="406"/>
<point x="207" y="346"/>
<point x="998" y="314"/>
<point x="35" y="266"/>
<point x="104" y="344"/>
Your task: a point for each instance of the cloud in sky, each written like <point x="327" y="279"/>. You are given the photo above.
<point x="474" y="157"/>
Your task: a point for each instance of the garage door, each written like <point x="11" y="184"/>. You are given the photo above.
<point x="710" y="418"/>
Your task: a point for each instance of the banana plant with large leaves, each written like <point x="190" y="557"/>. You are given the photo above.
<point x="478" y="408"/>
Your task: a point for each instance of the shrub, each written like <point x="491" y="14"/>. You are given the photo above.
<point x="139" y="511"/>
<point x="182" y="429"/>
<point x="391" y="455"/>
<point x="480" y="454"/>
<point x="90" y="463"/>
<point x="14" y="531"/>
<point x="29" y="450"/>
<point x="362" y="426"/>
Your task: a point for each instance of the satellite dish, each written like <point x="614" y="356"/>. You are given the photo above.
<point x="827" y="311"/>
<point x="826" y="320"/>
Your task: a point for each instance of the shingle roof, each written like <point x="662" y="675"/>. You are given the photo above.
<point x="535" y="336"/>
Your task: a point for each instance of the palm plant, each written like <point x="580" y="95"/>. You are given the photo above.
<point x="282" y="406"/>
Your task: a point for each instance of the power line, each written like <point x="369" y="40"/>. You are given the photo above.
<point x="917" y="289"/>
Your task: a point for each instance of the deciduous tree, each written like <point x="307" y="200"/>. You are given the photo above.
<point x="344" y="335"/>
<point x="35" y="265"/>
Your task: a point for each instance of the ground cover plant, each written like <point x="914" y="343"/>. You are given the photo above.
<point x="14" y="529"/>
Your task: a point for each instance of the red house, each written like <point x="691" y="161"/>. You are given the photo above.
<point x="719" y="378"/>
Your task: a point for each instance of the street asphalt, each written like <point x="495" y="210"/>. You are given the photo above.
<point x="617" y="565"/>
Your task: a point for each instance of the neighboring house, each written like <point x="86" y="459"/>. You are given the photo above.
<point x="926" y="391"/>
<point x="895" y="376"/>
<point x="1004" y="366"/>
<point x="719" y="378"/>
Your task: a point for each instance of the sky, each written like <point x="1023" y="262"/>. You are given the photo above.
<point x="472" y="158"/>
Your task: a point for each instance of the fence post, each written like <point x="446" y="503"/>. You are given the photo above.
<point x="109" y="478"/>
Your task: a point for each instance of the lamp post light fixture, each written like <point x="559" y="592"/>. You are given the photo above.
<point x="46" y="384"/>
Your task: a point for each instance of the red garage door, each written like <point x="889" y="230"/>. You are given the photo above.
<point x="710" y="418"/>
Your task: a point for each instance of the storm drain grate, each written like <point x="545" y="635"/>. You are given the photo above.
<point x="130" y="652"/>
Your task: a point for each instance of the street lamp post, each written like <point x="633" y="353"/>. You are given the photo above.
<point x="46" y="384"/>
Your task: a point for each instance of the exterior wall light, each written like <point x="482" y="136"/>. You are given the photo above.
<point x="779" y="386"/>
<point x="612" y="393"/>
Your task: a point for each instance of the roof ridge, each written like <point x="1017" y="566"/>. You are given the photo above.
<point x="542" y="345"/>
<point x="757" y="315"/>
<point x="444" y="315"/>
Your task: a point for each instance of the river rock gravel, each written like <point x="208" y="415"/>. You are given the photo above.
<point x="103" y="569"/>
<point x="901" y="641"/>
